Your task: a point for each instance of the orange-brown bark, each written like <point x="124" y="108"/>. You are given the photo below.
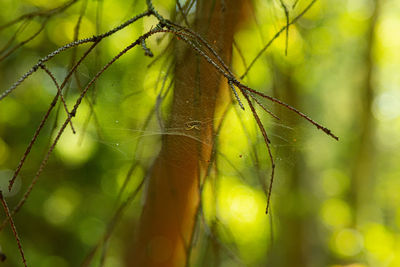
<point x="172" y="197"/>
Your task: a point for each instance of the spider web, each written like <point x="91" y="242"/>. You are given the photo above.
<point x="128" y="115"/>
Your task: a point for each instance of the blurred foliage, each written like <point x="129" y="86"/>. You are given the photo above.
<point x="320" y="216"/>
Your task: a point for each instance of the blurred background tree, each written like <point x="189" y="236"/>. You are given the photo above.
<point x="333" y="204"/>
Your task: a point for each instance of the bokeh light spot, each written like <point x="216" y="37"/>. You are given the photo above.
<point x="378" y="241"/>
<point x="90" y="230"/>
<point x="386" y="105"/>
<point x="335" y="213"/>
<point x="334" y="182"/>
<point x="5" y="176"/>
<point x="60" y="205"/>
<point x="347" y="242"/>
<point x="72" y="151"/>
<point x="241" y="209"/>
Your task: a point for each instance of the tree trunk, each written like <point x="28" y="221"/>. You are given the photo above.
<point x="172" y="198"/>
<point x="293" y="242"/>
<point x="363" y="166"/>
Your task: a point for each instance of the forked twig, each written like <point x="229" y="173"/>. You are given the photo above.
<point x="277" y="34"/>
<point x="92" y="39"/>
<point x="267" y="143"/>
<point x="225" y="71"/>
<point x="72" y="114"/>
<point x="263" y="107"/>
<point x="120" y="210"/>
<point x="51" y="75"/>
<point x="182" y="12"/>
<point x="236" y="94"/>
<point x="230" y="77"/>
<point x="273" y="99"/>
<point x="198" y="44"/>
<point x="45" y="117"/>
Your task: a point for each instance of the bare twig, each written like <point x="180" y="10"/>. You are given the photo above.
<point x="45" y="117"/>
<point x="20" y="29"/>
<point x="235" y="45"/>
<point x="276" y="36"/>
<point x="263" y="107"/>
<point x="33" y="36"/>
<point x="72" y="114"/>
<point x="59" y="92"/>
<point x="267" y="143"/>
<point x="236" y="94"/>
<point x="14" y="229"/>
<point x="199" y="45"/>
<point x="93" y="39"/>
<point x="285" y="9"/>
<point x="230" y="77"/>
<point x="40" y="13"/>
<point x="273" y="99"/>
<point x="224" y="70"/>
<point x="113" y="222"/>
<point x="147" y="51"/>
<point x="182" y="12"/>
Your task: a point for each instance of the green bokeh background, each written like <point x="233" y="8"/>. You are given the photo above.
<point x="333" y="204"/>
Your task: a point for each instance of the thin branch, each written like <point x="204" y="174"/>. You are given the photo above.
<point x="235" y="45"/>
<point x="40" y="13"/>
<point x="273" y="99"/>
<point x="275" y="37"/>
<point x="182" y="12"/>
<point x="91" y="106"/>
<point x="264" y="107"/>
<point x="33" y="36"/>
<point x="246" y="88"/>
<point x="236" y="94"/>
<point x="153" y="11"/>
<point x="79" y="21"/>
<point x="147" y="51"/>
<point x="161" y="54"/>
<point x="204" y="42"/>
<point x="43" y="60"/>
<point x="267" y="143"/>
<point x="20" y="29"/>
<point x="45" y="117"/>
<point x="72" y="114"/>
<point x="59" y="92"/>
<point x="200" y="52"/>
<point x="93" y="39"/>
<point x="285" y="9"/>
<point x="113" y="222"/>
<point x="97" y="60"/>
<point x="254" y="156"/>
<point x="192" y="39"/>
<point x="14" y="229"/>
<point x="230" y="253"/>
<point x="144" y="127"/>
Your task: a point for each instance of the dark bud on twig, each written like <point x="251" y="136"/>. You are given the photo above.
<point x="236" y="94"/>
<point x="147" y="51"/>
<point x="2" y="256"/>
